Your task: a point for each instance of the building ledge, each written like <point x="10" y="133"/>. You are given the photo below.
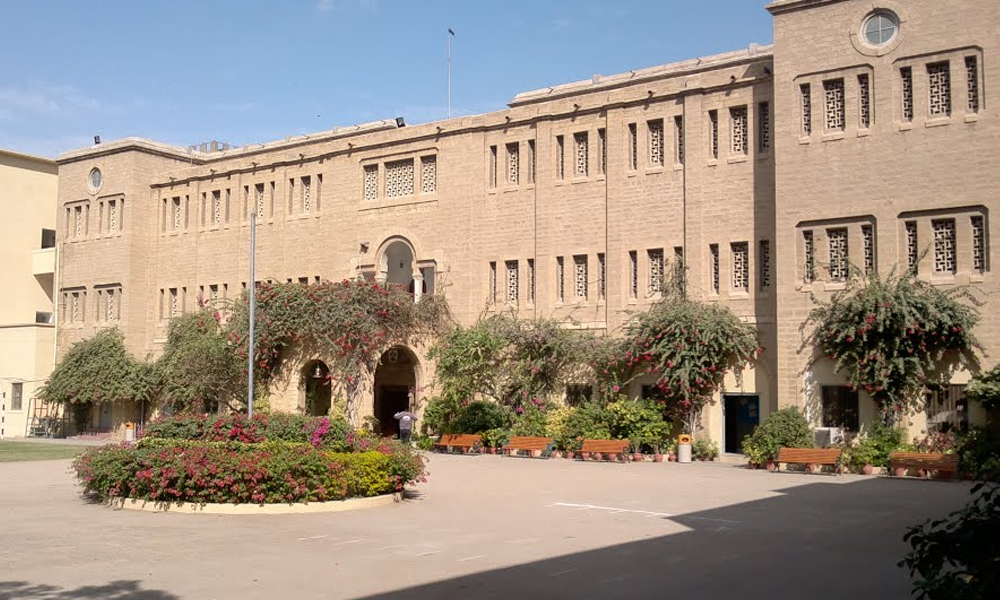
<point x="43" y="262"/>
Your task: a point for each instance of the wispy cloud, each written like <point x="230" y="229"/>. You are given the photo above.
<point x="341" y="5"/>
<point x="47" y="99"/>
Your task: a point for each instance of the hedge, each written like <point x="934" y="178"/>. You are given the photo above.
<point x="322" y="432"/>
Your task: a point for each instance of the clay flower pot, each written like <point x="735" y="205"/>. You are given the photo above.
<point x="867" y="470"/>
<point x="536" y="453"/>
<point x="585" y="456"/>
<point x="637" y="457"/>
<point x="672" y="457"/>
<point x="556" y="454"/>
<point x="568" y="455"/>
<point x="657" y="458"/>
<point x="611" y="457"/>
<point x="771" y="466"/>
<point x="811" y="468"/>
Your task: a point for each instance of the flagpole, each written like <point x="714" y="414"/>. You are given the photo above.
<point x="450" y="34"/>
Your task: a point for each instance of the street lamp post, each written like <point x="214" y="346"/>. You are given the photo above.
<point x="253" y="309"/>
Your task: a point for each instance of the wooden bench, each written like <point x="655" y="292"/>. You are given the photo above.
<point x="463" y="441"/>
<point x="527" y="443"/>
<point x="808" y="456"/>
<point x="929" y="461"/>
<point x="616" y="447"/>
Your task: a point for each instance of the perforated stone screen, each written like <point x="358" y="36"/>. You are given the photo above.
<point x="839" y="256"/>
<point x="912" y="251"/>
<point x="399" y="178"/>
<point x="656" y="142"/>
<point x="972" y="82"/>
<point x="513" y="281"/>
<point x="939" y="88"/>
<point x="868" y="242"/>
<point x="738" y="118"/>
<point x="580" y="276"/>
<point x="864" y="101"/>
<point x="371" y="182"/>
<point x="428" y="174"/>
<point x="805" y="98"/>
<point x="906" y="84"/>
<point x="741" y="266"/>
<point x="978" y="245"/>
<point x="944" y="245"/>
<point x="582" y="153"/>
<point x="833" y="95"/>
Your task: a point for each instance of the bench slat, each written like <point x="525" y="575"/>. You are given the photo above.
<point x="924" y="460"/>
<point x="817" y="456"/>
<point x="528" y="443"/>
<point x="458" y="440"/>
<point x="605" y="446"/>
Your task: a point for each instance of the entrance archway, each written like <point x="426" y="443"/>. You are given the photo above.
<point x="395" y="385"/>
<point x="316" y="377"/>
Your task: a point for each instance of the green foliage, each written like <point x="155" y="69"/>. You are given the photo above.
<point x="786" y="428"/>
<point x="99" y="369"/>
<point x="639" y="421"/>
<point x="555" y="424"/>
<point x="874" y="446"/>
<point x="496" y="438"/>
<point x="985" y="388"/>
<point x="198" y="367"/>
<point x="588" y="422"/>
<point x="890" y="337"/>
<point x="530" y="419"/>
<point x="479" y="416"/>
<point x="441" y="414"/>
<point x="321" y="432"/>
<point x="704" y="449"/>
<point x="958" y="558"/>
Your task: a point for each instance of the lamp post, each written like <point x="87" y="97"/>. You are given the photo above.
<point x="253" y="309"/>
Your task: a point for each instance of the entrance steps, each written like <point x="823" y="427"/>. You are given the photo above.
<point x="731" y="458"/>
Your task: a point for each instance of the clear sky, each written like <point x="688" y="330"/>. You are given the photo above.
<point x="247" y="71"/>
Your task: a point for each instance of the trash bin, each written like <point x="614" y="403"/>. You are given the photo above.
<point x="684" y="448"/>
<point x="129" y="432"/>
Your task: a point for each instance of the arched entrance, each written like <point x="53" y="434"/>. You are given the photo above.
<point x="316" y="378"/>
<point x="395" y="385"/>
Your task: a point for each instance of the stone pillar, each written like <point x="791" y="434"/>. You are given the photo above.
<point x="418" y="286"/>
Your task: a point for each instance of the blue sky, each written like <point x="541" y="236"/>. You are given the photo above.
<point x="184" y="71"/>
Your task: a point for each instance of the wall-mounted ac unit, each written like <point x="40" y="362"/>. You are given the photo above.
<point x="828" y="436"/>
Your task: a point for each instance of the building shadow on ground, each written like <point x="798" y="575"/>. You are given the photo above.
<point x="115" y="590"/>
<point x="822" y="540"/>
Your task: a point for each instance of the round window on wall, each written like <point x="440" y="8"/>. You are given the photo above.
<point x="95" y="179"/>
<point x="880" y="28"/>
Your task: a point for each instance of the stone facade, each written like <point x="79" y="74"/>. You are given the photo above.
<point x="571" y="203"/>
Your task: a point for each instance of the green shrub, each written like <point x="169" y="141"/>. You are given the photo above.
<point x="704" y="449"/>
<point x="555" y="424"/>
<point x="496" y="438"/>
<point x="639" y="421"/>
<point x="423" y="442"/>
<point x="322" y="432"/>
<point x="529" y="419"/>
<point x="441" y="413"/>
<point x="978" y="453"/>
<point x="874" y="446"/>
<point x="479" y="416"/>
<point x="786" y="428"/>
<point x="588" y="422"/>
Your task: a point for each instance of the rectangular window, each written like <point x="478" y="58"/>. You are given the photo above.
<point x="578" y="393"/>
<point x="738" y="129"/>
<point x="833" y="104"/>
<point x="513" y="282"/>
<point x="679" y="139"/>
<point x="560" y="279"/>
<point x="947" y="409"/>
<point x="972" y="83"/>
<point x="633" y="274"/>
<point x="805" y="103"/>
<point x="809" y="253"/>
<point x="259" y="199"/>
<point x="654" y="129"/>
<point x="741" y="266"/>
<point x="912" y="251"/>
<point x="944" y="246"/>
<point x="655" y="270"/>
<point x="493" y="282"/>
<point x="906" y="85"/>
<point x="602" y="281"/>
<point x="291" y="196"/>
<point x="840" y="407"/>
<point x="371" y="182"/>
<point x="213" y="292"/>
<point x="713" y="133"/>
<point x="838" y="254"/>
<point x="864" y="101"/>
<point x="582" y="144"/>
<point x="217" y="207"/>
<point x="531" y="281"/>
<point x="978" y="245"/>
<point x="939" y="89"/>
<point x="580" y="275"/>
<point x="679" y="275"/>
<point x="513" y="163"/>
<point x="112" y="216"/>
<point x="868" y="241"/>
<point x="532" y="160"/>
<point x="764" y="264"/>
<point x="16" y="395"/>
<point x="633" y="147"/>
<point x="174" y="306"/>
<point x="399" y="178"/>
<point x="493" y="167"/>
<point x="763" y="126"/>
<point x="318" y="193"/>
<point x="602" y="149"/>
<point x="306" y="194"/>
<point x="48" y="238"/>
<point x="560" y="157"/>
<point x="79" y="223"/>
<point x="428" y="174"/>
<point x="177" y="213"/>
<point x="713" y="253"/>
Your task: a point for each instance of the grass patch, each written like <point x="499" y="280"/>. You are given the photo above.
<point x="19" y="451"/>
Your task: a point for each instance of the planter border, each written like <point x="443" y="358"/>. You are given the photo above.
<point x="256" y="509"/>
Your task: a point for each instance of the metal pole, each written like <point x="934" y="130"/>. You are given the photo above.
<point x="450" y="34"/>
<point x="253" y="310"/>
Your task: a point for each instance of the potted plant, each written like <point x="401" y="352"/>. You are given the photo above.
<point x="635" y="445"/>
<point x="672" y="451"/>
<point x="656" y="447"/>
<point x="705" y="449"/>
<point x="556" y="454"/>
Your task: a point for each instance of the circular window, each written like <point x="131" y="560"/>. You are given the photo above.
<point x="880" y="28"/>
<point x="95" y="179"/>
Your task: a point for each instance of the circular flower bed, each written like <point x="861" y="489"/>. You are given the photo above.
<point x="262" y="470"/>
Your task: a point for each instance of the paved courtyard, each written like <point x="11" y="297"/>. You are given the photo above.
<point x="485" y="527"/>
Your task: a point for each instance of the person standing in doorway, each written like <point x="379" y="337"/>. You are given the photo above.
<point x="406" y="420"/>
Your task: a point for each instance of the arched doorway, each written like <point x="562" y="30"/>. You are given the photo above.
<point x="316" y="378"/>
<point x="397" y="264"/>
<point x="395" y="385"/>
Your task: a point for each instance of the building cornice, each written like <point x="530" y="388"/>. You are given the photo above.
<point x="41" y="160"/>
<point x="782" y="6"/>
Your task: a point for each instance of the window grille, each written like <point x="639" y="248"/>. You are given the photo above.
<point x="513" y="163"/>
<point x="912" y="250"/>
<point x="833" y="94"/>
<point x="763" y="126"/>
<point x="633" y="271"/>
<point x="805" y="95"/>
<point x="513" y="282"/>
<point x="633" y="144"/>
<point x="906" y="82"/>
<point x="602" y="143"/>
<point x="713" y="135"/>
<point x="972" y="83"/>
<point x="864" y="101"/>
<point x="944" y="245"/>
<point x="656" y="142"/>
<point x="939" y="88"/>
<point x="741" y="266"/>
<point x="764" y="260"/>
<point x="601" y="277"/>
<point x="738" y="118"/>
<point x="713" y="252"/>
<point x="978" y="245"/>
<point x="399" y="178"/>
<point x="560" y="157"/>
<point x="679" y="129"/>
<point x="580" y="276"/>
<point x="582" y="153"/>
<point x="428" y="174"/>
<point x="809" y="251"/>
<point x="868" y="242"/>
<point x="371" y="182"/>
<point x="560" y="279"/>
<point x="838" y="254"/>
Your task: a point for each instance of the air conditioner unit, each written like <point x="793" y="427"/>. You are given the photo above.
<point x="828" y="436"/>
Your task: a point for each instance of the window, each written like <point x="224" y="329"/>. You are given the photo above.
<point x="306" y="194"/>
<point x="840" y="407"/>
<point x="43" y="317"/>
<point x="868" y="242"/>
<point x="493" y="167"/>
<point x="213" y="292"/>
<point x="560" y="157"/>
<point x="741" y="266"/>
<point x="633" y="147"/>
<point x="582" y="145"/>
<point x="114" y="221"/>
<point x="176" y="211"/>
<point x="947" y="409"/>
<point x="174" y="307"/>
<point x="912" y="251"/>
<point x="655" y="270"/>
<point x="602" y="149"/>
<point x="560" y="279"/>
<point x="531" y="280"/>
<point x="80" y="220"/>
<point x="656" y="145"/>
<point x="763" y="126"/>
<point x="764" y="263"/>
<point x="679" y="134"/>
<point x="513" y="163"/>
<point x="259" y="199"/>
<point x="531" y="160"/>
<point x="493" y="282"/>
<point x="217" y="207"/>
<point x="428" y="174"/>
<point x="513" y="282"/>
<point x="633" y="274"/>
<point x="939" y="88"/>
<point x="578" y="393"/>
<point x="972" y="83"/>
<point x="601" y="277"/>
<point x="399" y="178"/>
<point x="16" y="396"/>
<point x="944" y="246"/>
<point x="679" y="270"/>
<point x="713" y="133"/>
<point x="833" y="103"/>
<point x="318" y="193"/>
<point x="809" y="252"/>
<point x="371" y="182"/>
<point x="228" y="197"/>
<point x="75" y="306"/>
<point x="838" y="254"/>
<point x="95" y="179"/>
<point x="906" y="85"/>
<point x="978" y="245"/>
<point x="880" y="28"/>
<point x="713" y="253"/>
<point x="738" y="126"/>
<point x="580" y="276"/>
<point x="864" y="101"/>
<point x="48" y="238"/>
<point x="805" y="95"/>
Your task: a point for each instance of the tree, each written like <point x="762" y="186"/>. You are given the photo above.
<point x="198" y="367"/>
